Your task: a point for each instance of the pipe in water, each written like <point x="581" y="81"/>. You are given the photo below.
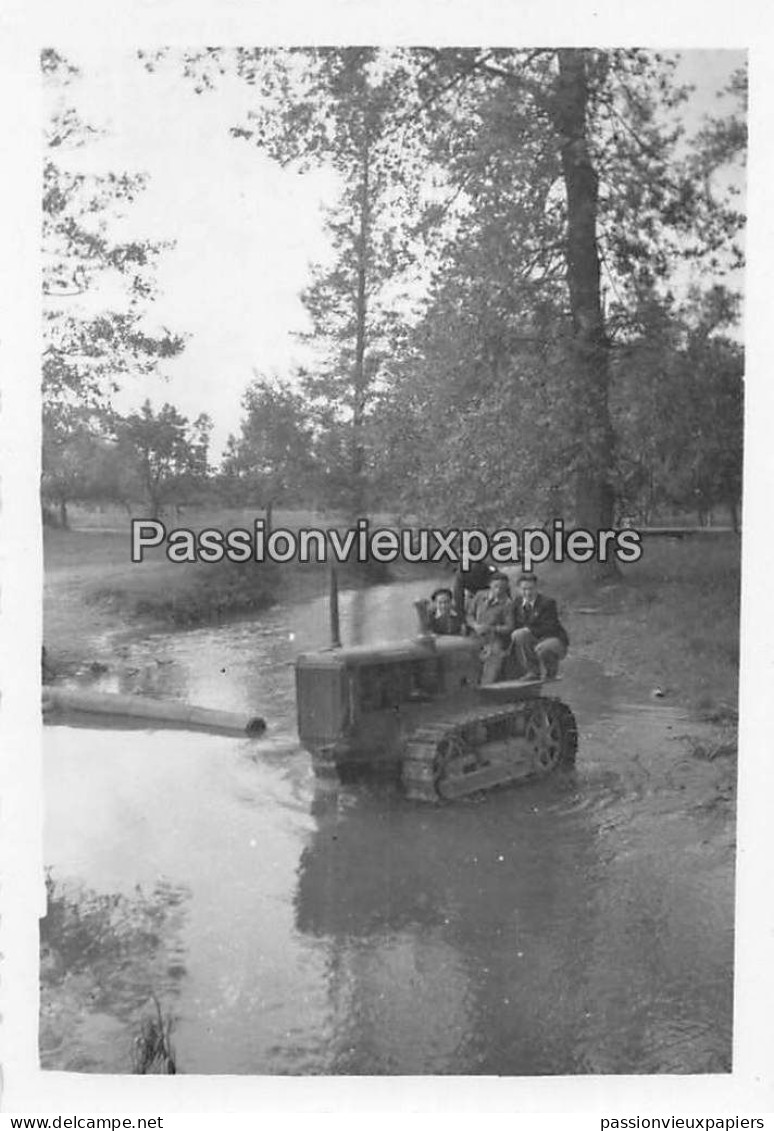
<point x="137" y="706"/>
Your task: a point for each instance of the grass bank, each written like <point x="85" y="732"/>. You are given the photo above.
<point x="93" y="591"/>
<point x="671" y="620"/>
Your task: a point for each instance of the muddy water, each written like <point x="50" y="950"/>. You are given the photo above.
<point x="582" y="924"/>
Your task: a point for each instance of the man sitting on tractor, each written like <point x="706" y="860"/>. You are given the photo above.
<point x="539" y="640"/>
<point x="492" y="620"/>
<point x="442" y="617"/>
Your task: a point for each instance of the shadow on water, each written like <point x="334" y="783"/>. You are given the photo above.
<point x="573" y="925"/>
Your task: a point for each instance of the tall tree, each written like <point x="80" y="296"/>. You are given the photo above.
<point x="337" y="107"/>
<point x="569" y="155"/>
<point x="339" y="113"/>
<point x="589" y="357"/>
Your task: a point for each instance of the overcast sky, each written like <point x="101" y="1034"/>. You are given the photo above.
<point x="246" y="231"/>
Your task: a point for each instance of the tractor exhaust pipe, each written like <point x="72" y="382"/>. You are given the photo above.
<point x="333" y="607"/>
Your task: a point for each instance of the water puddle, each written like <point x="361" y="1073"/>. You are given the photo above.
<point x="576" y="924"/>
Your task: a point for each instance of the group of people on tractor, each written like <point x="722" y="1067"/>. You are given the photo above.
<point x="521" y="636"/>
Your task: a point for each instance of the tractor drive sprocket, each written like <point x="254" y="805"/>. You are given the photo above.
<point x="551" y="734"/>
<point x="480" y="751"/>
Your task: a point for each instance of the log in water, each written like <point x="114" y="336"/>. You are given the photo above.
<point x="140" y="707"/>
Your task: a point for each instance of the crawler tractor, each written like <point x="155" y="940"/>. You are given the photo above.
<point x="416" y="710"/>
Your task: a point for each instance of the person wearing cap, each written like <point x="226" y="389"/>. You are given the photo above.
<point x="539" y="640"/>
<point x="442" y="618"/>
<point x="492" y="619"/>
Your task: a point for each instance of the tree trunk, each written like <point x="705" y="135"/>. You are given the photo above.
<point x="64" y="520"/>
<point x="594" y="493"/>
<point x="269" y="522"/>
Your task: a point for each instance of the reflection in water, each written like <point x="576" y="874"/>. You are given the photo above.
<point x="465" y="922"/>
<point x="248" y="666"/>
<point x="156" y="678"/>
<point x="576" y="924"/>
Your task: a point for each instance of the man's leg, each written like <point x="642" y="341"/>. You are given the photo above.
<point x="494" y="657"/>
<point x="549" y="652"/>
<point x="524" y="647"/>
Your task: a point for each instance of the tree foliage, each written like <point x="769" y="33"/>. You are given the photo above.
<point x="574" y="203"/>
<point x="80" y="466"/>
<point x="97" y="292"/>
<point x="338" y="108"/>
<point x="335" y="107"/>
<point x="270" y="461"/>
<point x="678" y="410"/>
<point x="548" y="203"/>
<point x="165" y="453"/>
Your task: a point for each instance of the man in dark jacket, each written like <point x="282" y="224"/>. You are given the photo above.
<point x="539" y="640"/>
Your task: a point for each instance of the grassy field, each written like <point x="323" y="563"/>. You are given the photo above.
<point x="671" y="619"/>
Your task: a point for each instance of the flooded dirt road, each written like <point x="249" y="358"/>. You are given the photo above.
<point x="580" y="924"/>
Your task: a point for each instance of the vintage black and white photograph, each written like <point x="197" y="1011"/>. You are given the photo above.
<point x="392" y="507"/>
